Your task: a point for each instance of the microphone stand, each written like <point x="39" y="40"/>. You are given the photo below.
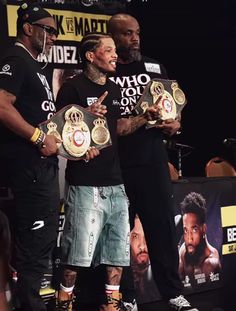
<point x="179" y="147"/>
<point x="173" y="145"/>
<point x="180" y="176"/>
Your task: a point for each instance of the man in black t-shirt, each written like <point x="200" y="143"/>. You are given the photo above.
<point x="96" y="227"/>
<point x="144" y="161"/>
<point x="95" y="200"/>
<point x="27" y="154"/>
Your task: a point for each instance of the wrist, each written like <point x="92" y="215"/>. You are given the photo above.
<point x="38" y="138"/>
<point x="144" y="117"/>
<point x="35" y="135"/>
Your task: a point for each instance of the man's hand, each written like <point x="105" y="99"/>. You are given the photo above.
<point x="169" y="126"/>
<point x="91" y="153"/>
<point x="50" y="146"/>
<point x="97" y="107"/>
<point x="153" y="112"/>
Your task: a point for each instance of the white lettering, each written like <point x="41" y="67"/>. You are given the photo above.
<point x="125" y="111"/>
<point x="91" y="100"/>
<point x="46" y="86"/>
<point x="60" y="54"/>
<point x="132" y="81"/>
<point x="60" y="229"/>
<point x="43" y="80"/>
<point x="124" y="101"/>
<point x="6" y="73"/>
<point x="143" y="79"/>
<point x="151" y="67"/>
<point x="50" y="115"/>
<point x="73" y="55"/>
<point x="49" y="93"/>
<point x="131" y="89"/>
<point x="231" y="234"/>
<point x="48" y="106"/>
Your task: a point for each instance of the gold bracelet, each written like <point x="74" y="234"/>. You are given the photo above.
<point x="36" y="135"/>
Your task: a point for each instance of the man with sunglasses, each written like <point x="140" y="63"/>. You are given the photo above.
<point x="50" y="30"/>
<point x="28" y="154"/>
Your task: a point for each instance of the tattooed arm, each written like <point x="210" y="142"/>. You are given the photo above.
<point x="127" y="126"/>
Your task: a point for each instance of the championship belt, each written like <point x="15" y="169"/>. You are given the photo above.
<point x="78" y="129"/>
<point x="167" y="95"/>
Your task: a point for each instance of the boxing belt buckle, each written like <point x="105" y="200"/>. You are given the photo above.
<point x="167" y="95"/>
<point x="78" y="129"/>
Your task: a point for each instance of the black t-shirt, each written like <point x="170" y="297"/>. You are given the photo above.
<point x="104" y="170"/>
<point x="143" y="147"/>
<point x="22" y="76"/>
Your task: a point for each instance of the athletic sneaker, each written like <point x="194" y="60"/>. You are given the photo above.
<point x="114" y="303"/>
<point x="130" y="306"/>
<point x="64" y="301"/>
<point x="181" y="304"/>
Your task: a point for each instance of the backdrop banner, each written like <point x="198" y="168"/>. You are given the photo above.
<point x="198" y="272"/>
<point x="205" y="267"/>
<point x="73" y="19"/>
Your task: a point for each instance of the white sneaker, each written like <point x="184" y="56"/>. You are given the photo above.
<point x="181" y="304"/>
<point x="130" y="306"/>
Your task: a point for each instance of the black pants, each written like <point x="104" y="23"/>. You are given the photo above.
<point x="150" y="193"/>
<point x="37" y="201"/>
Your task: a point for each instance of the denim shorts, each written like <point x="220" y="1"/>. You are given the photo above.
<point x="96" y="227"/>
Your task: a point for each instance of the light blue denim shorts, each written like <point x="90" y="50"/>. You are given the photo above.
<point x="96" y="227"/>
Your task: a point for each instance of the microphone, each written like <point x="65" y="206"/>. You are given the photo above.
<point x="230" y="142"/>
<point x="173" y="145"/>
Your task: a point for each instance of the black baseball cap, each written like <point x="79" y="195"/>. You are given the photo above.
<point x="30" y="13"/>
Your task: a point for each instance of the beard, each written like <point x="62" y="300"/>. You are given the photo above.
<point x="128" y="54"/>
<point x="39" y="45"/>
<point x="193" y="259"/>
<point x="140" y="268"/>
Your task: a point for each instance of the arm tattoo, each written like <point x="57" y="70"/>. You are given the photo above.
<point x="137" y="122"/>
<point x="130" y="125"/>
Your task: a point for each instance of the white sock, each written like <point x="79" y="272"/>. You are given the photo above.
<point x="109" y="289"/>
<point x="68" y="290"/>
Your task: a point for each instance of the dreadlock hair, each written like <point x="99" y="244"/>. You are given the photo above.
<point x="90" y="42"/>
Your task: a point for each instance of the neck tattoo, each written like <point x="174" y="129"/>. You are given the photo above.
<point x="95" y="75"/>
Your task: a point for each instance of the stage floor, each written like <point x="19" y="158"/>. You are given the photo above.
<point x="212" y="300"/>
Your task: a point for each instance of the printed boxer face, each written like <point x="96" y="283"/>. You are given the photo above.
<point x="138" y="244"/>
<point x="193" y="232"/>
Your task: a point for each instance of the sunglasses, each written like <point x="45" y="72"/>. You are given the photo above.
<point x="50" y="30"/>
